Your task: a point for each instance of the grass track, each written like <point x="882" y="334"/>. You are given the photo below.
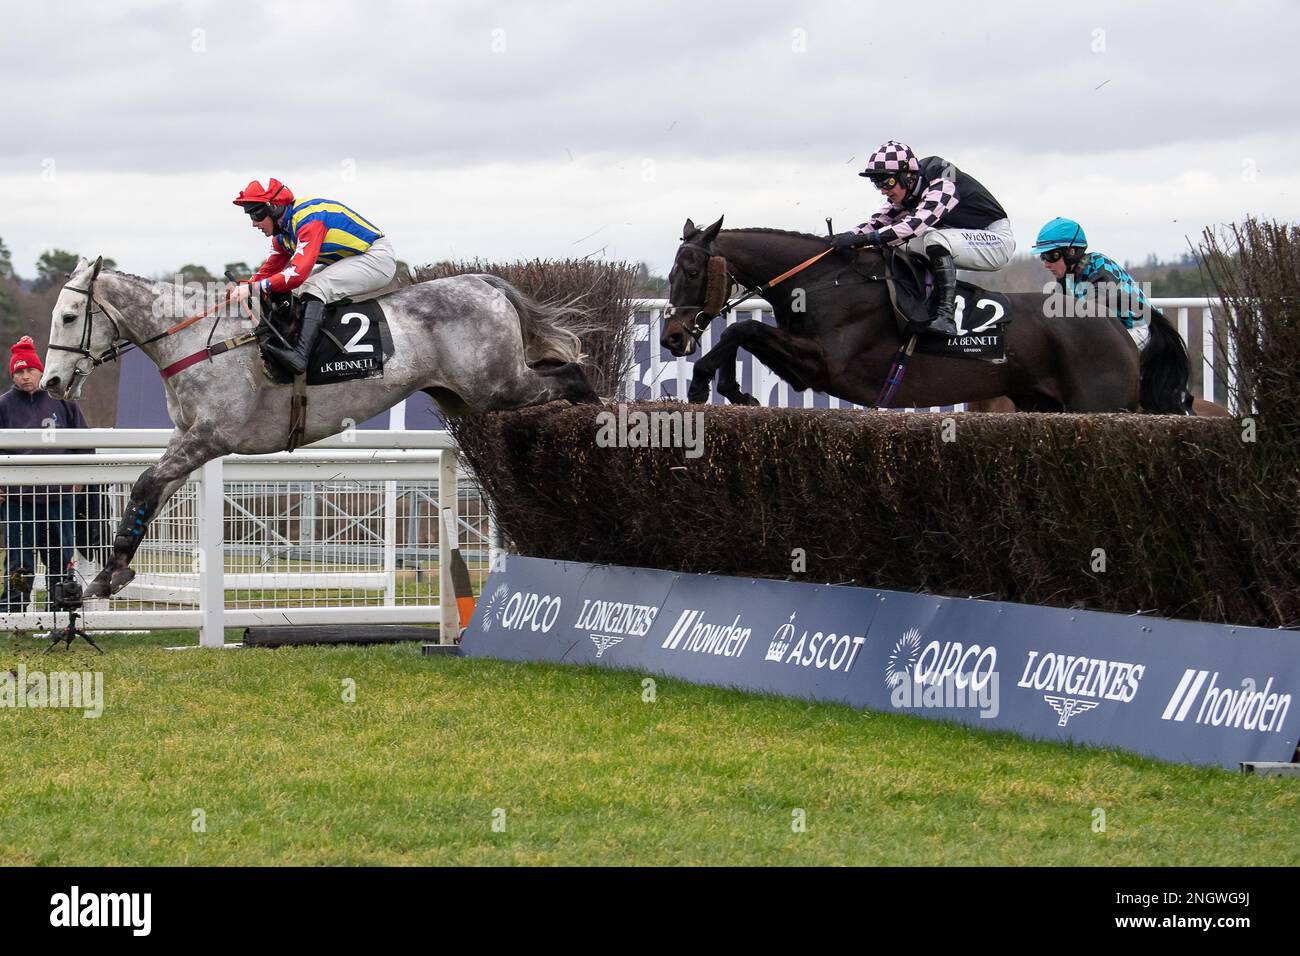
<point x="287" y="772"/>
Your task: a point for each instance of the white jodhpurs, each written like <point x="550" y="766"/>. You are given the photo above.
<point x="981" y="250"/>
<point x="356" y="277"/>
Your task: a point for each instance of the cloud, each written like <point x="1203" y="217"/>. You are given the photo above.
<point x="512" y="129"/>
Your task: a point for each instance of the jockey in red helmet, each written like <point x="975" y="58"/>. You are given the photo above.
<point x="935" y="210"/>
<point x="321" y="250"/>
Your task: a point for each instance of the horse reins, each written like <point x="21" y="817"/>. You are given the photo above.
<point x="696" y="328"/>
<point x="119" y="346"/>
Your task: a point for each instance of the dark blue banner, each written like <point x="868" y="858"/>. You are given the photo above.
<point x="1177" y="690"/>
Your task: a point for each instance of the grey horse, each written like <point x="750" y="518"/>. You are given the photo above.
<point x="474" y="343"/>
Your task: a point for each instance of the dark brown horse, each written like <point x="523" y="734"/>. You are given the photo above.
<point x="836" y="333"/>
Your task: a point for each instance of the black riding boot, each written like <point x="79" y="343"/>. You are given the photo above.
<point x="945" y="290"/>
<point x="295" y="359"/>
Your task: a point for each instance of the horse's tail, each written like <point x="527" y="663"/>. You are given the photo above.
<point x="1165" y="369"/>
<point x="550" y="329"/>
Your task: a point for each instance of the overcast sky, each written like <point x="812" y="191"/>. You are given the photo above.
<point x="507" y="130"/>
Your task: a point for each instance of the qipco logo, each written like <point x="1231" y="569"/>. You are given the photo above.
<point x="531" y="612"/>
<point x="965" y="666"/>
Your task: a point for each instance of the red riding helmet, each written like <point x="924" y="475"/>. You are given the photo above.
<point x="274" y="193"/>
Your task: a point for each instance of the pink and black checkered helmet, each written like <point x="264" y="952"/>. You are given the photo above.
<point x="891" y="158"/>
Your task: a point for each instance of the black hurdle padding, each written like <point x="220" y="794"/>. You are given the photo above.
<point x="440" y="650"/>
<point x="325" y="634"/>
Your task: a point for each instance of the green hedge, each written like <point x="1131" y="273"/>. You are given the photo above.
<point x="1112" y="512"/>
<point x="1195" y="518"/>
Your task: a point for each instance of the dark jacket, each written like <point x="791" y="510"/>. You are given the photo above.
<point x="20" y="410"/>
<point x="38" y="410"/>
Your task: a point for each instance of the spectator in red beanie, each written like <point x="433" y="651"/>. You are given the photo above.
<point x="38" y="518"/>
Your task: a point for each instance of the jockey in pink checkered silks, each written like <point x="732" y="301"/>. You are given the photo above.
<point x="935" y="210"/>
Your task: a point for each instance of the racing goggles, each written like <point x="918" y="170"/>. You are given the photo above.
<point x="257" y="211"/>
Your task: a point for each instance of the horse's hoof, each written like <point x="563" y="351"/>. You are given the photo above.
<point x="698" y="396"/>
<point x="97" y="588"/>
<point x="121" y="579"/>
<point x="744" y="398"/>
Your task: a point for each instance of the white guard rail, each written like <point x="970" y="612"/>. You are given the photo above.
<point x="188" y="536"/>
<point x="657" y="375"/>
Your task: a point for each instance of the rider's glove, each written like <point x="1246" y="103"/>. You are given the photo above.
<point x="851" y="240"/>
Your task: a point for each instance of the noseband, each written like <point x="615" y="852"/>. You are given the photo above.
<point x="117" y="345"/>
<point x="715" y="291"/>
<point x="718" y="283"/>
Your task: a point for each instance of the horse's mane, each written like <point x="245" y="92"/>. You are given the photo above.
<point x="764" y="230"/>
<point x="129" y="275"/>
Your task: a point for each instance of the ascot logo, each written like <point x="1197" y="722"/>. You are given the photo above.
<point x="822" y="650"/>
<point x="781" y="641"/>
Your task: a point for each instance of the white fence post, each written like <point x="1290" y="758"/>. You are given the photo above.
<point x="180" y="580"/>
<point x="390" y="543"/>
<point x="652" y="332"/>
<point x="211" y="556"/>
<point x="448" y="613"/>
<point x="767" y="386"/>
<point x="1207" y="354"/>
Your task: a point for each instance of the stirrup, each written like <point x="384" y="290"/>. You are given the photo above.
<point x="289" y="359"/>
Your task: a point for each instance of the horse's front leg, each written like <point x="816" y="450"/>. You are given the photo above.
<point x="796" y="360"/>
<point x="728" y="384"/>
<point x="702" y="372"/>
<point x="186" y="452"/>
<point x="721" y="357"/>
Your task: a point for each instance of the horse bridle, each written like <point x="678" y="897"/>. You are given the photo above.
<point x="697" y="327"/>
<point x="118" y="344"/>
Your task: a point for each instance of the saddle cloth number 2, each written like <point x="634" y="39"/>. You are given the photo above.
<point x="354" y="345"/>
<point x="996" y="307"/>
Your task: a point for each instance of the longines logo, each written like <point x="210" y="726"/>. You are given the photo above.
<point x="609" y="622"/>
<point x="604" y="642"/>
<point x="1080" y="677"/>
<point x="1067" y="707"/>
<point x="903" y="657"/>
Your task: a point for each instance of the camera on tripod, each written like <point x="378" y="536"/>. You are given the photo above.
<point x="66" y="596"/>
<point x="65" y="593"/>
